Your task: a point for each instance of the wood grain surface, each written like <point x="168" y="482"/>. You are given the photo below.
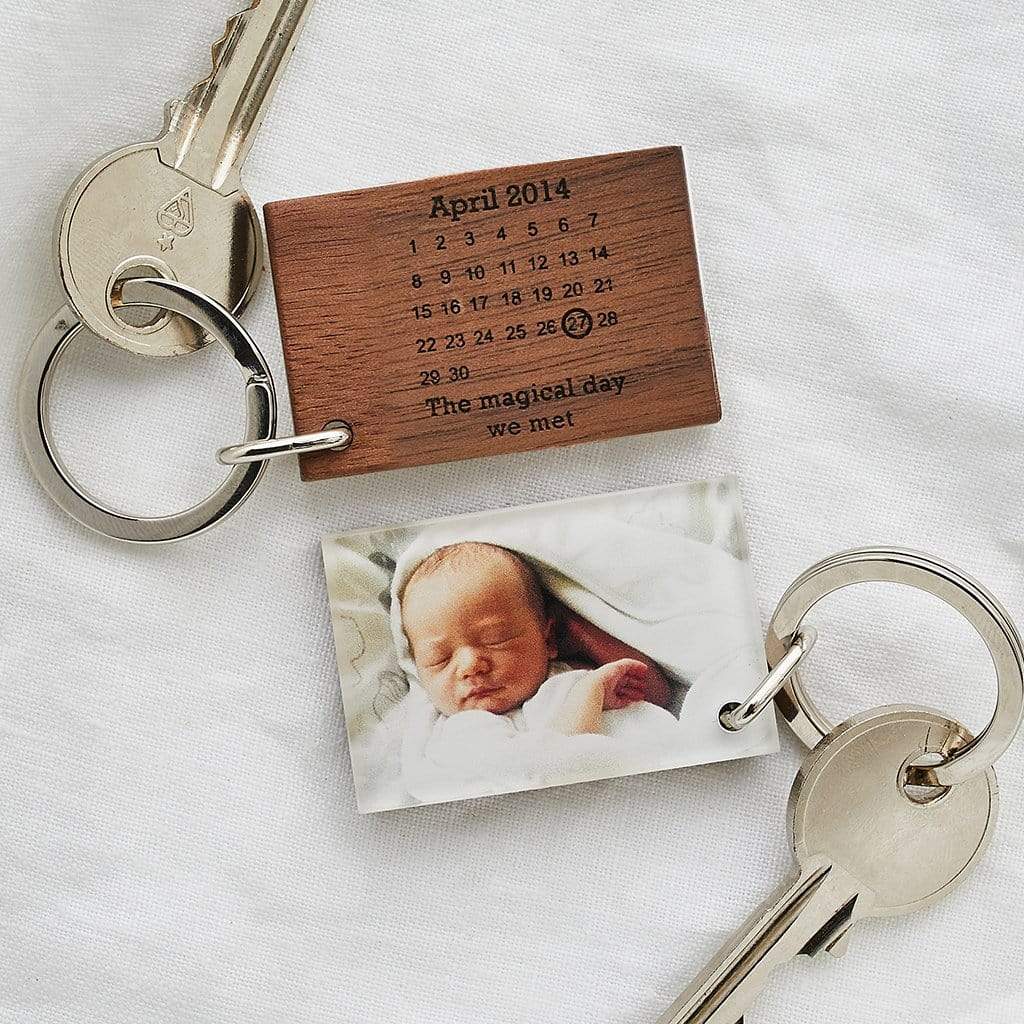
<point x="495" y="311"/>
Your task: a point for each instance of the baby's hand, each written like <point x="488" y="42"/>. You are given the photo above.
<point x="625" y="682"/>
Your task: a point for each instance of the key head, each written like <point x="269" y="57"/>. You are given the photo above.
<point x="850" y="807"/>
<point x="132" y="215"/>
<point x="174" y="208"/>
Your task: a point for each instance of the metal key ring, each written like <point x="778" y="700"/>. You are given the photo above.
<point x="924" y="572"/>
<point x="33" y="410"/>
<point x="337" y="436"/>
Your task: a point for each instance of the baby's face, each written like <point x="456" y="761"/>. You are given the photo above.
<point x="477" y="641"/>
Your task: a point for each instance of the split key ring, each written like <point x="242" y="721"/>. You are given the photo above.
<point x="248" y="460"/>
<point x="788" y="641"/>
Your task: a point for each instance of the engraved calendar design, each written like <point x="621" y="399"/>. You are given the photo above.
<point x="495" y="311"/>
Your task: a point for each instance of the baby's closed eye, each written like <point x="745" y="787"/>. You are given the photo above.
<point x="498" y="639"/>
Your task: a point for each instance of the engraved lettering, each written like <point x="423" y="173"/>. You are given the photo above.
<point x="455" y="207"/>
<point x="552" y="423"/>
<point x="530" y="193"/>
<point x="441" y="406"/>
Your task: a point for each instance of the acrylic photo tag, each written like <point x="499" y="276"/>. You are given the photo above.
<point x="546" y="645"/>
<point x="494" y="312"/>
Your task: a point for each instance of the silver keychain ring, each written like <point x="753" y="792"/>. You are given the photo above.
<point x="933" y="576"/>
<point x="33" y="410"/>
<point x="737" y="716"/>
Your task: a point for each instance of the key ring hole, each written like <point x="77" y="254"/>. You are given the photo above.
<point x="145" y="319"/>
<point x="918" y="793"/>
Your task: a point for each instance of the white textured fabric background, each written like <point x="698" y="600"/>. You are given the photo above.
<point x="178" y="833"/>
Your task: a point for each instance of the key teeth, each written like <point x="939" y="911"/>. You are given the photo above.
<point x="194" y="97"/>
<point x="229" y="27"/>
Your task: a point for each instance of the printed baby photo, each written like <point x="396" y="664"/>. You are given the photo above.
<point x="546" y="645"/>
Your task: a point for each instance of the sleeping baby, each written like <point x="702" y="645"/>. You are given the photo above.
<point x="482" y="639"/>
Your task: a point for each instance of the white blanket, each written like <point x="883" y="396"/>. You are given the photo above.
<point x="475" y="753"/>
<point x="178" y="830"/>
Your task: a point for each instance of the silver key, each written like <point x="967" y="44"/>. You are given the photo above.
<point x="175" y="207"/>
<point x="866" y="847"/>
